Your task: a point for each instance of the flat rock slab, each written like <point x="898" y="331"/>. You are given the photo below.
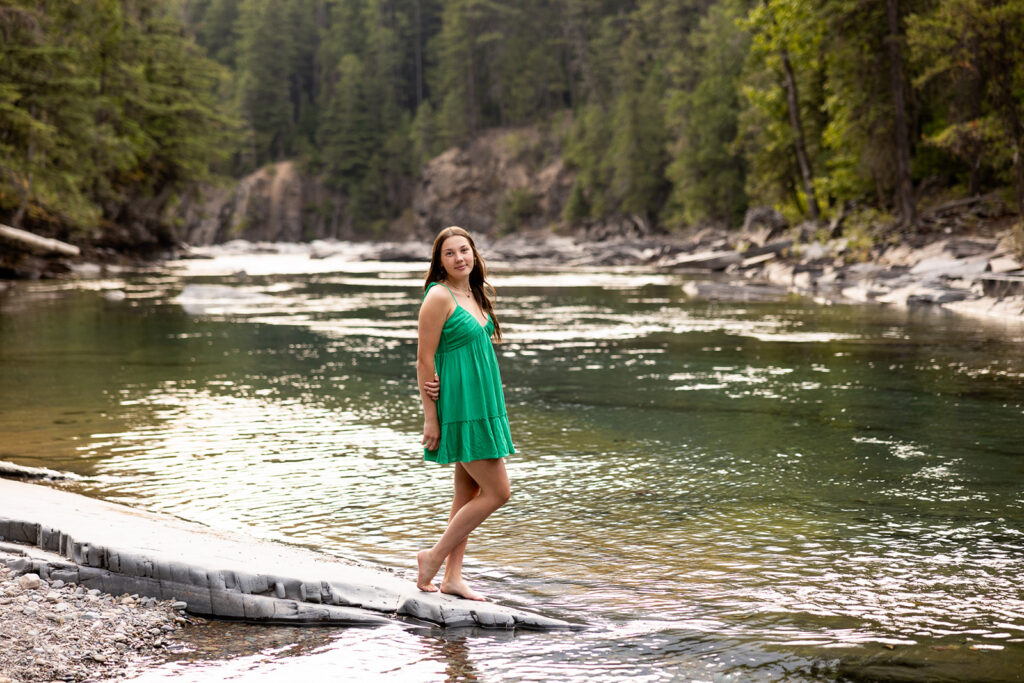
<point x="118" y="549"/>
<point x="10" y="469"/>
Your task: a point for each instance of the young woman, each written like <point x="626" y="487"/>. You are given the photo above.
<point x="465" y="422"/>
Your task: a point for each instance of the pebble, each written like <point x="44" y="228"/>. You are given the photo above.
<point x="179" y="605"/>
<point x="56" y="631"/>
<point x="28" y="581"/>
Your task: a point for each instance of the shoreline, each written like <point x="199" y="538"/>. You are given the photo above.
<point x="967" y="258"/>
<point x="979" y="276"/>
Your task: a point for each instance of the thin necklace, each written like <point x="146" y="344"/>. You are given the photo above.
<point x="465" y="292"/>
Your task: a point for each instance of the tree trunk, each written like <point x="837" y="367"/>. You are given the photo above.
<point x="800" y="146"/>
<point x="27" y="241"/>
<point x="904" y="198"/>
<point x="419" y="56"/>
<point x="579" y="58"/>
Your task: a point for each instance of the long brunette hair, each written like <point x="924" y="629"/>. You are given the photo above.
<point x="483" y="292"/>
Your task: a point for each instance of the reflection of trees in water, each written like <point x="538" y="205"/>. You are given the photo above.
<point x="458" y="666"/>
<point x="453" y="647"/>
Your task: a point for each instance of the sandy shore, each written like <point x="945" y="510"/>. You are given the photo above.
<point x="55" y="631"/>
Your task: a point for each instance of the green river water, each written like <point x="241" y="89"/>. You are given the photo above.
<point x="718" y="491"/>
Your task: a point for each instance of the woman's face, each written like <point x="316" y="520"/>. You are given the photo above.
<point x="457" y="257"/>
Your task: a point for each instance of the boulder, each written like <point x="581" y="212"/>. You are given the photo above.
<point x="763" y="223"/>
<point x="707" y="260"/>
<point x="1003" y="264"/>
<point x="950" y="267"/>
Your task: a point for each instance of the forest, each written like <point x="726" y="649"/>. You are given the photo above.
<point x="684" y="112"/>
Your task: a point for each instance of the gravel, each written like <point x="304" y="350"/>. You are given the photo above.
<point x="62" y="632"/>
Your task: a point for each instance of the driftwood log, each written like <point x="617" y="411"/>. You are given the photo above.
<point x="27" y="241"/>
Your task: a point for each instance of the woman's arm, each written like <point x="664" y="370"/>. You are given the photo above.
<point x="433" y="312"/>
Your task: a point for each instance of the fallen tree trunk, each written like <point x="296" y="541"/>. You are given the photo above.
<point x="27" y="241"/>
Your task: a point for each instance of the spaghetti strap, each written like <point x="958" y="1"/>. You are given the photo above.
<point x="446" y="287"/>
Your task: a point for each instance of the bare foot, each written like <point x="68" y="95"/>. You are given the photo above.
<point x="460" y="588"/>
<point x="425" y="573"/>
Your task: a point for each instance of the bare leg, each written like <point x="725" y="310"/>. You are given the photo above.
<point x="492" y="479"/>
<point x="466" y="489"/>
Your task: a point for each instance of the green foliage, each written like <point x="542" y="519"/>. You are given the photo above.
<point x="424" y="136"/>
<point x="707" y="173"/>
<point x="515" y="208"/>
<point x="782" y="30"/>
<point x="975" y="50"/>
<point x="586" y="149"/>
<point x="105" y="110"/>
<point x="577" y="208"/>
<point x="859" y="233"/>
<point x="677" y="110"/>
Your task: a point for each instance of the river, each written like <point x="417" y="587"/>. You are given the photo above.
<point x="718" y="491"/>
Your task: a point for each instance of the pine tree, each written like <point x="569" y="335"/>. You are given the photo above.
<point x="266" y="54"/>
<point x="707" y="170"/>
<point x="976" y="47"/>
<point x="107" y="110"/>
<point x="784" y="94"/>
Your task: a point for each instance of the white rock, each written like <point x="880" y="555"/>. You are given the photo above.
<point x="28" y="581"/>
<point x="1003" y="264"/>
<point x="944" y="266"/>
<point x="814" y="251"/>
<point x="87" y="270"/>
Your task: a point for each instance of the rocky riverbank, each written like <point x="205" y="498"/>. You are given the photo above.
<point x="52" y="631"/>
<point x="978" y="273"/>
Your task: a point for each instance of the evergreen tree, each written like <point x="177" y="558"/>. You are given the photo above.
<point x="976" y="47"/>
<point x="784" y="94"/>
<point x="868" y="131"/>
<point x="107" y="111"/>
<point x="708" y="172"/>
<point x="456" y="77"/>
<point x="266" y="54"/>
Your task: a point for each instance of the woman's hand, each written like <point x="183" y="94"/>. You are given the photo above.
<point x="431" y="434"/>
<point x="432" y="388"/>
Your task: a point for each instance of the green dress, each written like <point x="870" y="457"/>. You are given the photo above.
<point x="471" y="407"/>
